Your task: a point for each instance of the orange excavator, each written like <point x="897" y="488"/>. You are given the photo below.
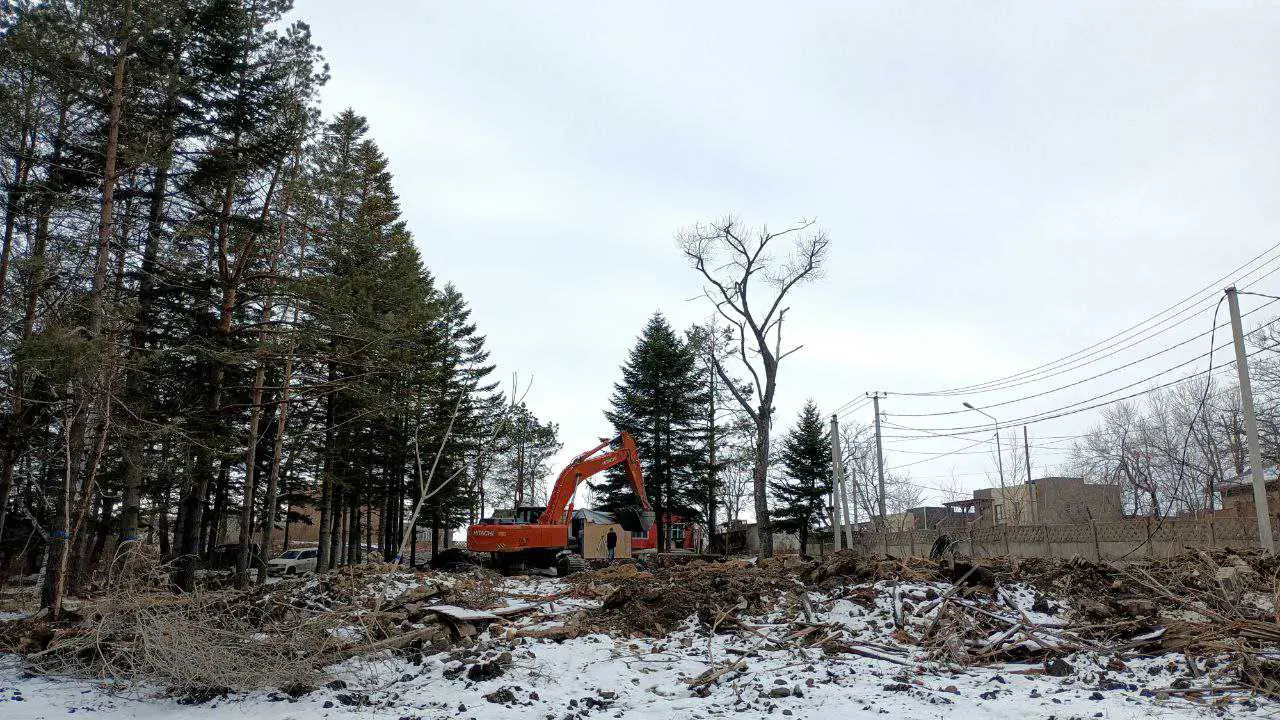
<point x="547" y="541"/>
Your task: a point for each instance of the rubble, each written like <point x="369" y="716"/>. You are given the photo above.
<point x="1208" y="617"/>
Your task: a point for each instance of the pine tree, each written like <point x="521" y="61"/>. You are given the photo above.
<point x="661" y="402"/>
<point x="802" y="492"/>
<point x="520" y="464"/>
<point x="209" y="301"/>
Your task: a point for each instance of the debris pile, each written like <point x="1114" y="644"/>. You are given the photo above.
<point x="1210" y="613"/>
<point x="1218" y="604"/>
<point x="657" y="601"/>
<point x="281" y="635"/>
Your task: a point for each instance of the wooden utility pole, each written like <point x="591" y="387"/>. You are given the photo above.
<point x="1250" y="427"/>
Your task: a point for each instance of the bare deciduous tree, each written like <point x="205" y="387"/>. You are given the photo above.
<point x="748" y="281"/>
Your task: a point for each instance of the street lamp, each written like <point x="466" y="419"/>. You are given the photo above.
<point x="999" y="451"/>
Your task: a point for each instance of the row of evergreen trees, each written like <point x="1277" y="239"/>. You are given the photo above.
<point x="211" y="310"/>
<point x="689" y="434"/>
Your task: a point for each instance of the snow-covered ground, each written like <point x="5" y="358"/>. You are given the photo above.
<point x="645" y="678"/>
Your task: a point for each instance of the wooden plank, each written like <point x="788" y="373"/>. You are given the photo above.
<point x="454" y="612"/>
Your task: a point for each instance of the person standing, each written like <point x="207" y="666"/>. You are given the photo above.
<point x="611" y="543"/>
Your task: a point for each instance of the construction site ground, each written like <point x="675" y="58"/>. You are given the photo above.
<point x="848" y="636"/>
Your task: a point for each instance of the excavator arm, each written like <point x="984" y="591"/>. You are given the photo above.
<point x="622" y="449"/>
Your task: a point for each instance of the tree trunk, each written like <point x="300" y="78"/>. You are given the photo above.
<point x="162" y="529"/>
<point x="59" y="537"/>
<point x="202" y="476"/>
<point x="282" y="412"/>
<point x="250" y="472"/>
<point x="109" y="178"/>
<point x="323" y="560"/>
<point x="288" y="525"/>
<point x="273" y="477"/>
<point x="339" y="525"/>
<point x="354" y="531"/>
<point x="760" y="474"/>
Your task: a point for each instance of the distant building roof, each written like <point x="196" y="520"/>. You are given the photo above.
<point x="593" y="516"/>
<point x="1270" y="474"/>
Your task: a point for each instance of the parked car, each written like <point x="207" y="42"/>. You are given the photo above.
<point x="293" y="562"/>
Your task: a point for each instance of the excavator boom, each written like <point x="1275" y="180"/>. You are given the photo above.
<point x="622" y="450"/>
<point x="545" y="540"/>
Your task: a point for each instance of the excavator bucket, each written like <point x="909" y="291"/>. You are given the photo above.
<point x="635" y="519"/>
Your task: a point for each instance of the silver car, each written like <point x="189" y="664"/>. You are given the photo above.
<point x="293" y="562"/>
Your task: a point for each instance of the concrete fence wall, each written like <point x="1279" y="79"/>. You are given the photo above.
<point x="1130" y="538"/>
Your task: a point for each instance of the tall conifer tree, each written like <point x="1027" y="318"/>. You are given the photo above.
<point x="660" y="401"/>
<point x="801" y="493"/>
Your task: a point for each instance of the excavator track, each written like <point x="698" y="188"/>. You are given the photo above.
<point x="570" y="564"/>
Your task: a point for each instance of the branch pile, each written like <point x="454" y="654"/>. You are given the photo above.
<point x="278" y="636"/>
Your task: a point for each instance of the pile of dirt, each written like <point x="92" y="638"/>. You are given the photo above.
<point x="654" y="602"/>
<point x="845" y="565"/>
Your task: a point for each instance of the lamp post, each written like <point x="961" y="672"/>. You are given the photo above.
<point x="999" y="451"/>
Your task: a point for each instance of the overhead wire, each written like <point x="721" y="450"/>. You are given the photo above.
<point x="852" y="406"/>
<point x="1065" y="365"/>
<point x="1104" y="373"/>
<point x="1185" y="445"/>
<point x="1059" y="411"/>
<point x="1033" y="419"/>
<point x="1197" y="299"/>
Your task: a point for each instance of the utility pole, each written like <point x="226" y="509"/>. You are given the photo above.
<point x="836" y="527"/>
<point x="844" y="500"/>
<point x="875" y="404"/>
<point x="1031" y="488"/>
<point x="1250" y="427"/>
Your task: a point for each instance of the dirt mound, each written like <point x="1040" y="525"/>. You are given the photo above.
<point x="654" y="602"/>
<point x="857" y="566"/>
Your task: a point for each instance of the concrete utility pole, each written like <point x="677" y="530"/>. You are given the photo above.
<point x="1250" y="428"/>
<point x="1031" y="488"/>
<point x="836" y="528"/>
<point x="875" y="404"/>
<point x="844" y="501"/>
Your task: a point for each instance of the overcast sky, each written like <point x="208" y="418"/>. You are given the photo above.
<point x="1003" y="183"/>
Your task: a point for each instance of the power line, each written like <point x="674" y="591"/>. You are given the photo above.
<point x="962" y="451"/>
<point x="1196" y="298"/>
<point x="1055" y="412"/>
<point x="857" y="403"/>
<point x="1185" y="442"/>
<point x="1104" y="373"/>
<point x="905" y="438"/>
<point x="1033" y="419"/>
